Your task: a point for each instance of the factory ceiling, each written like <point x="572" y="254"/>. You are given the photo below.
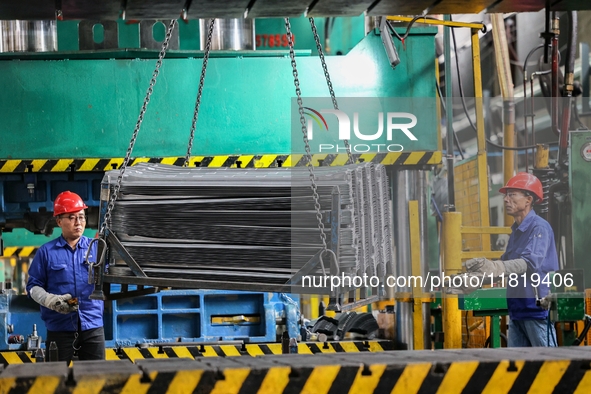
<point x="196" y="9"/>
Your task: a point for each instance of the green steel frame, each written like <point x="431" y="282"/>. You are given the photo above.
<point x="85" y="104"/>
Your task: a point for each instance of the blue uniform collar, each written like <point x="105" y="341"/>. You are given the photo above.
<point x="82" y="242"/>
<point x="528" y="221"/>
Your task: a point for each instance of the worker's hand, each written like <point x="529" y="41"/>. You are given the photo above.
<point x="545" y="302"/>
<point x="62" y="303"/>
<point x="485" y="267"/>
<point x="465" y="283"/>
<point x="58" y="303"/>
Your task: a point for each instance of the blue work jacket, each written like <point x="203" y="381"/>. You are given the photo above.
<point x="533" y="241"/>
<point x="59" y="270"/>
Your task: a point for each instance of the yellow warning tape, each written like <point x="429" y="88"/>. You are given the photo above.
<point x="19" y="251"/>
<point x="380" y="374"/>
<point x="234" y="161"/>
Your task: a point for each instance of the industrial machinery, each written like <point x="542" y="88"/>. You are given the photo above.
<point x="254" y="149"/>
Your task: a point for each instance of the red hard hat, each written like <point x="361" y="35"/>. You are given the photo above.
<point x="67" y="202"/>
<point x="528" y="182"/>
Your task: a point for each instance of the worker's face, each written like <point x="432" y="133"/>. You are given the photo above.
<point x="516" y="202"/>
<point x="72" y="224"/>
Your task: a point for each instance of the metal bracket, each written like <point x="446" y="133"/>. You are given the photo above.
<point x="353" y="305"/>
<point x="306" y="269"/>
<point x="119" y="248"/>
<point x="86" y="35"/>
<point x="147" y="40"/>
<point x="141" y="291"/>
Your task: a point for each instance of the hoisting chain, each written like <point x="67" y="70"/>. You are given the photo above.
<point x="308" y="154"/>
<point x="199" y="91"/>
<point x="350" y="159"/>
<point x="117" y="187"/>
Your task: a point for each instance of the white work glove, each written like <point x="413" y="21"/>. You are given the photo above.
<point x="470" y="282"/>
<point x="58" y="303"/>
<point x="546" y="302"/>
<point x="497" y="268"/>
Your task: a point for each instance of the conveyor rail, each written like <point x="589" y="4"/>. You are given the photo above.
<point x="519" y="370"/>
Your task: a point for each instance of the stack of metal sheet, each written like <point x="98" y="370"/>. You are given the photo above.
<point x="250" y="226"/>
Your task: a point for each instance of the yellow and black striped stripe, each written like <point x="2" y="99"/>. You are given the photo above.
<point x="19" y="251"/>
<point x="250" y="349"/>
<point x="235" y="161"/>
<point x="254" y="350"/>
<point x="299" y="375"/>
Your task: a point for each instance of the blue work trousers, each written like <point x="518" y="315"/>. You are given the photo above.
<point x="528" y="333"/>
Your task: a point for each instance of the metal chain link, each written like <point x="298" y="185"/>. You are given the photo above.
<point x="115" y="193"/>
<point x="199" y="92"/>
<point x="350" y="159"/>
<point x="308" y="155"/>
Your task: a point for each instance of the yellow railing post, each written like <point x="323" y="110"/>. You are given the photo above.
<point x="481" y="140"/>
<point x="415" y="259"/>
<point x="452" y="264"/>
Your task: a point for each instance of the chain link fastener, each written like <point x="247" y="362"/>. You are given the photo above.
<point x="350" y="158"/>
<point x="94" y="266"/>
<point x="199" y="92"/>
<point x="117" y="188"/>
<point x="308" y="154"/>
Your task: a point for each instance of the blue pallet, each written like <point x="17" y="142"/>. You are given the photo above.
<point x="187" y="316"/>
<point x="168" y="316"/>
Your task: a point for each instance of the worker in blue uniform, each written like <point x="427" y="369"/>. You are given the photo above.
<point x="525" y="266"/>
<point x="58" y="281"/>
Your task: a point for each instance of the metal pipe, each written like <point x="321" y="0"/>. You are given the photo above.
<point x="424" y="200"/>
<point x="481" y="140"/>
<point x="410" y="185"/>
<point x="525" y="113"/>
<point x="229" y="34"/>
<point x="407" y="186"/>
<point x="42" y="36"/>
<point x="506" y="82"/>
<point x="449" y="117"/>
<point x="542" y="156"/>
<point x="28" y="36"/>
<point x="402" y="188"/>
<point x="13" y="36"/>
<point x="452" y="264"/>
<point x="555" y="66"/>
<point x="569" y="66"/>
<point x="414" y="225"/>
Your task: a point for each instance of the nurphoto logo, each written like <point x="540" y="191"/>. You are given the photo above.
<point x="396" y="125"/>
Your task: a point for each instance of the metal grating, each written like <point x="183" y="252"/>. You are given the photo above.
<point x="468" y="201"/>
